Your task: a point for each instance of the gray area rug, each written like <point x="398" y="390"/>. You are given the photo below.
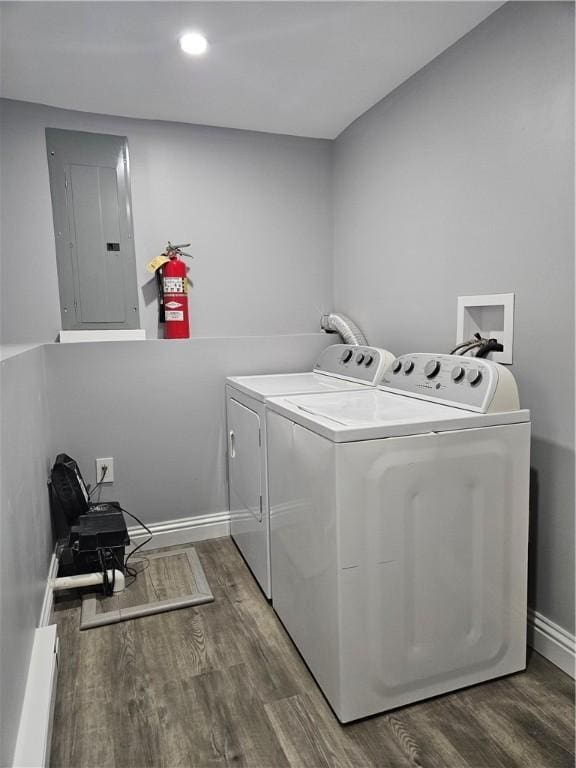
<point x="166" y="581"/>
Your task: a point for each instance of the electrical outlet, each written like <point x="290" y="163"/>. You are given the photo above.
<point x="109" y="474"/>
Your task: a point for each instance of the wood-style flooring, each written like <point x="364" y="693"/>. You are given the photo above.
<point x="221" y="684"/>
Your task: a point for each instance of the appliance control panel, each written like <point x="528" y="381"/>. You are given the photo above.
<point x="361" y="364"/>
<point x="463" y="382"/>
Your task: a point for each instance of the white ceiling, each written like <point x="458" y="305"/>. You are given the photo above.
<point x="301" y="68"/>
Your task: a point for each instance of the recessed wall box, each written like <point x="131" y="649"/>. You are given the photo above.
<point x="492" y="316"/>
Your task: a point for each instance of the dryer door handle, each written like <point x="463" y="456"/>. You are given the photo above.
<point x="232" y="444"/>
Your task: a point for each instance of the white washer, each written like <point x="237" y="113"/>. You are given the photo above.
<point x="339" y="367"/>
<point x="399" y="531"/>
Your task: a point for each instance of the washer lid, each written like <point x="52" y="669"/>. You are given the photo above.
<point x="372" y="414"/>
<point x="271" y="385"/>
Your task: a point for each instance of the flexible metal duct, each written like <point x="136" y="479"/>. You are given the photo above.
<point x="349" y="331"/>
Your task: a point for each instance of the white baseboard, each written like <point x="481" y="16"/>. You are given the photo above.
<point x="48" y="602"/>
<point x="183" y="531"/>
<point x="35" y="729"/>
<point x="552" y="641"/>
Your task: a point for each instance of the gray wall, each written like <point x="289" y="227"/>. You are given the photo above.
<point x="25" y="538"/>
<point x="157" y="407"/>
<point x="256" y="207"/>
<point x="461" y="182"/>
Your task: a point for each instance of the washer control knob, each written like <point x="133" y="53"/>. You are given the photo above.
<point x="369" y="360"/>
<point x="408" y="366"/>
<point x="346" y="356"/>
<point x="359" y="358"/>
<point x="457" y="373"/>
<point x="397" y="366"/>
<point x="474" y="376"/>
<point x="432" y="368"/>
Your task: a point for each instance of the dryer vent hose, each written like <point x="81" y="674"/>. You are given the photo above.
<point x="349" y="331"/>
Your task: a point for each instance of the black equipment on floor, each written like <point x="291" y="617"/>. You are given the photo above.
<point x="92" y="537"/>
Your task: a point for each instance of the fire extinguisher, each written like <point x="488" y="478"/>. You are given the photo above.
<point x="174" y="293"/>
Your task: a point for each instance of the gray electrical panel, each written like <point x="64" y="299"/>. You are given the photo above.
<point x="90" y="186"/>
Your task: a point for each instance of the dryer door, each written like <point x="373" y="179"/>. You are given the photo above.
<point x="244" y="438"/>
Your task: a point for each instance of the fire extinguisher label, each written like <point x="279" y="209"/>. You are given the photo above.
<point x="174" y="314"/>
<point x="173" y="304"/>
<point x="174" y="285"/>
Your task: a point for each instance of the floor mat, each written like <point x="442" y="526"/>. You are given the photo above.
<point x="166" y="581"/>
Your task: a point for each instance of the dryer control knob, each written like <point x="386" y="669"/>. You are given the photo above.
<point x="397" y="366"/>
<point x="474" y="376"/>
<point x="432" y="369"/>
<point x="360" y="358"/>
<point x="457" y="373"/>
<point x="346" y="356"/>
<point x="408" y="366"/>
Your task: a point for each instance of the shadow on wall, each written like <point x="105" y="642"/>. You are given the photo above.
<point x="551" y="553"/>
<point x="150" y="295"/>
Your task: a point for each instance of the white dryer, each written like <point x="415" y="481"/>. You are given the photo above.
<point x="340" y="367"/>
<point x="399" y="531"/>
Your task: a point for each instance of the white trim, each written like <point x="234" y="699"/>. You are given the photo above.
<point x="48" y="601"/>
<point x="35" y="729"/>
<point x="185" y="530"/>
<point x="552" y="641"/>
<point x="136" y="334"/>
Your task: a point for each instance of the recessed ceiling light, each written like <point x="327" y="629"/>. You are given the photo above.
<point x="193" y="43"/>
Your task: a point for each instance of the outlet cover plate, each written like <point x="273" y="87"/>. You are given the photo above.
<point x="109" y="478"/>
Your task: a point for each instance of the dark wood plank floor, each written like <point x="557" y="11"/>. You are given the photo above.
<point x="221" y="684"/>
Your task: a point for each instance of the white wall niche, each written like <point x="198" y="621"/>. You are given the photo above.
<point x="491" y="316"/>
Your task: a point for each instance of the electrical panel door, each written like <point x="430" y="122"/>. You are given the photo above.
<point x="89" y="182"/>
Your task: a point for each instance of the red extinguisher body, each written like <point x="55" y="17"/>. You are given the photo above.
<point x="175" y="290"/>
